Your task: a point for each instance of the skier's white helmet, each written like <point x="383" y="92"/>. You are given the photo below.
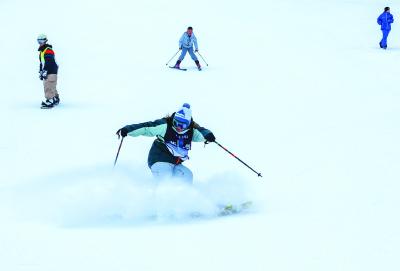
<point x="42" y="39"/>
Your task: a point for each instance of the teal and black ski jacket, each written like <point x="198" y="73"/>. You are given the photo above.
<point x="167" y="139"/>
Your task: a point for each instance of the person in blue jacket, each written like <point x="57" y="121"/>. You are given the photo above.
<point x="385" y="20"/>
<point x="186" y="43"/>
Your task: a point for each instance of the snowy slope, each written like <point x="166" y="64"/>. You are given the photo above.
<point x="298" y="89"/>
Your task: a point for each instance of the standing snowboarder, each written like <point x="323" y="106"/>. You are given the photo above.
<point x="186" y="43"/>
<point x="175" y="135"/>
<point x="385" y="20"/>
<point x="48" y="72"/>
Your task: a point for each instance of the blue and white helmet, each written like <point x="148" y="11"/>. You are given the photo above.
<point x="182" y="118"/>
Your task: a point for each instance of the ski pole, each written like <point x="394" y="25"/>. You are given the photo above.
<point x="172" y="57"/>
<point x="120" y="145"/>
<point x="240" y="160"/>
<point x="202" y="58"/>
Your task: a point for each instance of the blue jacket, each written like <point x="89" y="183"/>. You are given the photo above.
<point x="188" y="41"/>
<point x="385" y="20"/>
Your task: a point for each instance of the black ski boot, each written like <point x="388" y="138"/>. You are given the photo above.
<point x="56" y="99"/>
<point x="198" y="65"/>
<point x="177" y="64"/>
<point x="48" y="104"/>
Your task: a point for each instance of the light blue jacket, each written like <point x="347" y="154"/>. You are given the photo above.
<point x="188" y="41"/>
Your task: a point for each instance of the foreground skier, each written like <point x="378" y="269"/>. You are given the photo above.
<point x="186" y="45"/>
<point x="48" y="72"/>
<point x="385" y="20"/>
<point x="174" y="138"/>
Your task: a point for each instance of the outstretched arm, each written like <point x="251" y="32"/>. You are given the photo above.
<point x="201" y="134"/>
<point x="151" y="128"/>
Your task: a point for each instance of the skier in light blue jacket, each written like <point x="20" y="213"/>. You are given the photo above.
<point x="186" y="43"/>
<point x="385" y="20"/>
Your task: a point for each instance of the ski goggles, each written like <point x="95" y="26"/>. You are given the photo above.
<point x="179" y="124"/>
<point x="41" y="41"/>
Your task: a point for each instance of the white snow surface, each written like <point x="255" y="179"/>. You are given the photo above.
<point x="296" y="88"/>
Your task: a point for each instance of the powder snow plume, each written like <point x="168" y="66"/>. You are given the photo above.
<point x="99" y="196"/>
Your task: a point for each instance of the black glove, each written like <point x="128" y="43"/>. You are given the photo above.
<point x="43" y="75"/>
<point x="180" y="48"/>
<point x="210" y="137"/>
<point x="196" y="51"/>
<point x="122" y="132"/>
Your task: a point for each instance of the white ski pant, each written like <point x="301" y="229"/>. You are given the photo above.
<point x="163" y="170"/>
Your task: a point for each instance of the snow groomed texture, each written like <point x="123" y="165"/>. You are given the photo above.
<point x="299" y="87"/>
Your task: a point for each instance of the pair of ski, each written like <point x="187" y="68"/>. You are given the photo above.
<point x="229" y="209"/>
<point x="181" y="69"/>
<point x="232" y="209"/>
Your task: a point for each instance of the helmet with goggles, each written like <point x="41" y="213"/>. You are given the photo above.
<point x="182" y="118"/>
<point x="42" y="39"/>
